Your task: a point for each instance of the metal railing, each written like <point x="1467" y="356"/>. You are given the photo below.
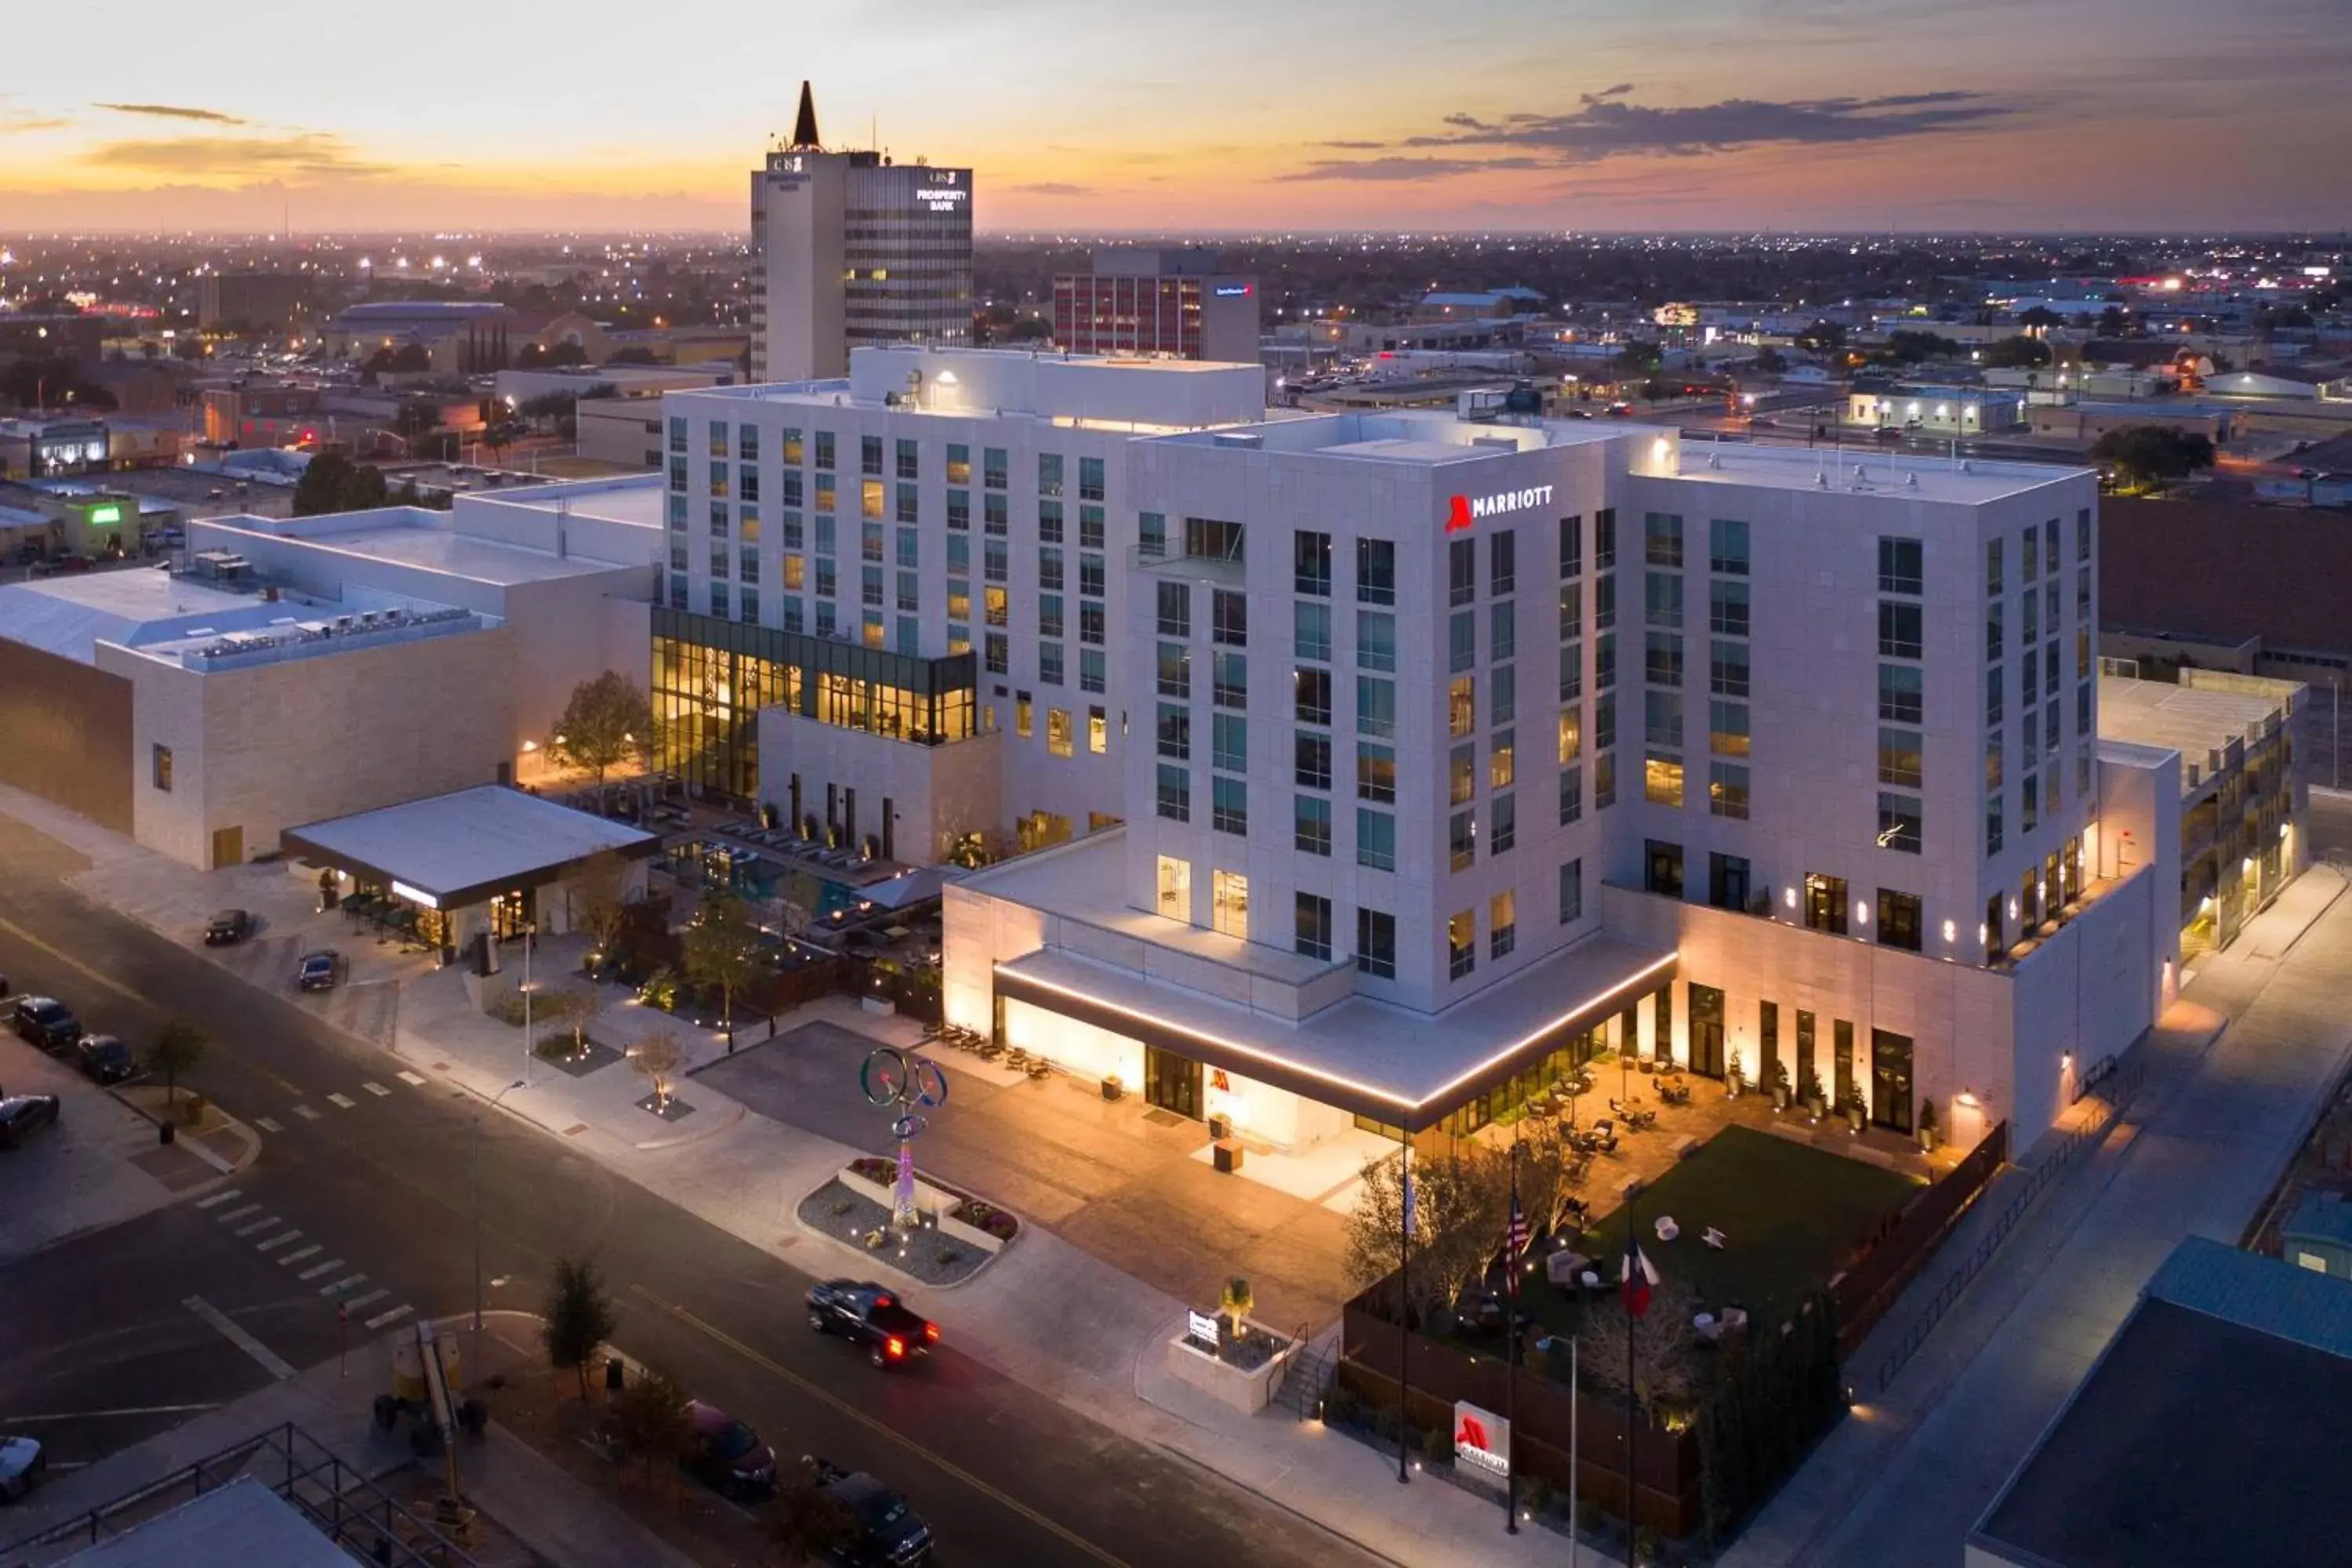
<point x="2127" y="1081"/>
<point x="340" y="1503"/>
<point x="1307" y="1376"/>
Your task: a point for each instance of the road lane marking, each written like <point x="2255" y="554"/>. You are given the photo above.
<point x="381" y="1319"/>
<point x="311" y="1251"/>
<point x="413" y="1079"/>
<point x="240" y="1212"/>
<point x="266" y="1125"/>
<point x="306" y="1113"/>
<point x="375" y="1088"/>
<point x="258" y="1227"/>
<point x="277" y="1241"/>
<point x="103" y="1415"/>
<point x="341" y="1101"/>
<point x="316" y="1269"/>
<point x="858" y="1415"/>
<point x="218" y="1199"/>
<point x="345" y="1283"/>
<point x="271" y="1362"/>
<point x="369" y="1299"/>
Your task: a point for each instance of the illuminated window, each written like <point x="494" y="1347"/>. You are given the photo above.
<point x="1097" y="731"/>
<point x="161" y="764"/>
<point x="1460" y="705"/>
<point x="1176" y="888"/>
<point x="1023" y="718"/>
<point x="1059" y="734"/>
<point x="1229" y="903"/>
<point x="1661" y="778"/>
<point x="1502" y="924"/>
<point x="1461" y="943"/>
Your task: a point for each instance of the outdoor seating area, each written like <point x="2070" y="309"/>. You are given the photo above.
<point x="392" y="920"/>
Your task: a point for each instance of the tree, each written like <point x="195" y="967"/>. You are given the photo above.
<point x="408" y="358"/>
<point x="722" y="948"/>
<point x="603" y="888"/>
<point x="1770" y="360"/>
<point x="657" y="1057"/>
<point x="2017" y="353"/>
<point x="1823" y="337"/>
<point x="502" y="432"/>
<point x="2151" y="455"/>
<point x="1547" y="1174"/>
<point x="648" y="1420"/>
<point x="333" y="482"/>
<point x="607" y="723"/>
<point x="178" y="1047"/>
<point x="566" y="1008"/>
<point x="579" y="1318"/>
<point x="1235" y="1302"/>
<point x="418" y="418"/>
<point x="635" y="354"/>
<point x="2113" y="322"/>
<point x="1461" y="1206"/>
<point x="806" y="1523"/>
<point x="2038" y="319"/>
<point x="547" y="406"/>
<point x="1638" y="359"/>
<point x="1908" y="347"/>
<point x="1665" y="1366"/>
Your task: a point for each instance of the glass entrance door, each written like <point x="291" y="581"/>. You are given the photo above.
<point x="1706" y="1031"/>
<point x="1172" y="1083"/>
<point x="1890" y="1080"/>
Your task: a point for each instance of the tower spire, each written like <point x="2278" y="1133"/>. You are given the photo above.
<point x="805" y="136"/>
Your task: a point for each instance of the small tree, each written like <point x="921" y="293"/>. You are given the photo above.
<point x="179" y="1046"/>
<point x="1461" y="1204"/>
<point x="2152" y="454"/>
<point x="607" y="722"/>
<point x="648" y="1420"/>
<point x="603" y="889"/>
<point x="722" y="948"/>
<point x="580" y="1318"/>
<point x="806" y="1524"/>
<point x="568" y="1007"/>
<point x="1236" y="1301"/>
<point x="657" y="1057"/>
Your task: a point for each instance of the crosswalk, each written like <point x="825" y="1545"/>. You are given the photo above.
<point x="270" y="1236"/>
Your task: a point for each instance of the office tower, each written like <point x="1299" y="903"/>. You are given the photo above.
<point x="848" y="249"/>
<point x="1159" y="300"/>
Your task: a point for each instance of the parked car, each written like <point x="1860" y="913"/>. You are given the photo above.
<point x="24" y="1114"/>
<point x="728" y="1456"/>
<point x="885" y="1532"/>
<point x="103" y="1058"/>
<point x="22" y="1460"/>
<point x="318" y="971"/>
<point x="45" y="1022"/>
<point x="228" y="928"/>
<point x="871" y="1315"/>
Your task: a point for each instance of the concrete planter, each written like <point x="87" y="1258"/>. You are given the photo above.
<point x="929" y="1199"/>
<point x="1248" y="1392"/>
<point x="971" y="1235"/>
<point x="882" y="1004"/>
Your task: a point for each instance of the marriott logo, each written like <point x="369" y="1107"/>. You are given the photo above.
<point x="1462" y="511"/>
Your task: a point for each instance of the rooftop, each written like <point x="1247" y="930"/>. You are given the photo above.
<point x="232" y="1526"/>
<point x="2320" y="1217"/>
<point x="410" y="536"/>
<point x="380" y="310"/>
<point x="453" y="847"/>
<point x="2190" y="720"/>
<point x="2209" y="1431"/>
<point x="1421" y="438"/>
<point x="1968" y="482"/>
<point x="69" y="617"/>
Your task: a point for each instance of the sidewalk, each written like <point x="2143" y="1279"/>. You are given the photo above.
<point x="1046" y="1313"/>
<point x="524" y="1495"/>
<point x="2234" y="1079"/>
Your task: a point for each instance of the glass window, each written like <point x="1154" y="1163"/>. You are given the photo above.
<point x="1461" y="640"/>
<point x="1311" y="921"/>
<point x="1728" y="669"/>
<point x="1151" y="529"/>
<point x="1571" y="610"/>
<point x="1993" y="568"/>
<point x="1571" y="891"/>
<point x="1090" y="479"/>
<point x="958" y="463"/>
<point x="1461" y="775"/>
<point x="1460" y="705"/>
<point x="1727" y="728"/>
<point x="1726" y="612"/>
<point x="1049" y="615"/>
<point x="995" y="514"/>
<point x="2032" y="558"/>
<point x="1661" y="600"/>
<point x="1375" y="571"/>
<point x="1503" y="563"/>
<point x="1898" y="757"/>
<point x="1502" y="629"/>
<point x="1899" y="920"/>
<point x="1375" y="640"/>
<point x="1229" y="679"/>
<point x="1049" y="521"/>
<point x="1229" y="743"/>
<point x="1825" y="907"/>
<point x="1050" y="665"/>
<point x="1175" y="600"/>
<point x="1899" y="690"/>
<point x="1571" y="671"/>
<point x="1503" y="815"/>
<point x="1661" y="778"/>
<point x="1898" y="822"/>
<point x="1375" y="772"/>
<point x="1899" y="630"/>
<point x="1311" y="759"/>
<point x="1662" y="658"/>
<point x="1502" y="923"/>
<point x="1993" y="704"/>
<point x="1375" y="706"/>
<point x="1229" y="618"/>
<point x="1175" y="669"/>
<point x="1174" y="732"/>
<point x="1175" y="792"/>
<point x="1727" y="791"/>
<point x="1049" y="473"/>
<point x="1311" y="629"/>
<point x="1604" y="538"/>
<point x="1314" y="694"/>
<point x="1662" y="718"/>
<point x="1461" y="570"/>
<point x="1661" y="870"/>
<point x="1376" y="943"/>
<point x="1662" y="539"/>
<point x="1571" y="795"/>
<point x="1572" y="547"/>
<point x="1375" y="840"/>
<point x="1502" y="759"/>
<point x="1461" y="943"/>
<point x="1899" y="567"/>
<point x="993" y="467"/>
<point x="1311" y="826"/>
<point x="1310" y="554"/>
<point x="1229" y="805"/>
<point x="1060" y="737"/>
<point x="1094" y="670"/>
<point x="1727" y="546"/>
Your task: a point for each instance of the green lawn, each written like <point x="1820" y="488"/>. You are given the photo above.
<point x="1790" y="1214"/>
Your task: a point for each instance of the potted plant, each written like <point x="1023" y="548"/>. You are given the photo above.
<point x="1776" y="1081"/>
<point x="1732" y="1077"/>
<point x="1235" y="1302"/>
<point x="1113" y="1086"/>
<point x="1814" y="1099"/>
<point x="1857" y="1113"/>
<point x="1927" y="1128"/>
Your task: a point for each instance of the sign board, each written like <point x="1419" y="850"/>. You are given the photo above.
<point x="414" y="895"/>
<point x="1201" y="1326"/>
<point x="1233" y="290"/>
<point x="1482" y="1444"/>
<point x="111" y="512"/>
<point x="1462" y="510"/>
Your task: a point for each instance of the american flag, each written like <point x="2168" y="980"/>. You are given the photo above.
<point x="1515" y="1240"/>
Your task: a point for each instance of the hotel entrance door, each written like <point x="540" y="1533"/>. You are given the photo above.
<point x="1172" y="1083"/>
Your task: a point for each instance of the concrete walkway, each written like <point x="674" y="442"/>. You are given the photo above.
<point x="2220" y="1112"/>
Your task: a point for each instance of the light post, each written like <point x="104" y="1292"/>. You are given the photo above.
<point x="474" y="1196"/>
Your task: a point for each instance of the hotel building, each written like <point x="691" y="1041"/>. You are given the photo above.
<point x="1157" y="301"/>
<point x="847" y="248"/>
<point x="1382" y="764"/>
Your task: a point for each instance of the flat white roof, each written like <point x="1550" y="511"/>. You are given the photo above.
<point x="69" y="617"/>
<point x="421" y="539"/>
<point x="476" y="838"/>
<point x="2192" y="721"/>
<point x="1968" y="482"/>
<point x="631" y="498"/>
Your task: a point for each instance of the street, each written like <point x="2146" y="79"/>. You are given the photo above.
<point x="362" y="1197"/>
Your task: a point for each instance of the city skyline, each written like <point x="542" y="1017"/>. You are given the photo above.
<point x="1508" y="114"/>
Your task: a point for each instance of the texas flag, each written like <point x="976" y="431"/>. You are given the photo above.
<point x="1639" y="1277"/>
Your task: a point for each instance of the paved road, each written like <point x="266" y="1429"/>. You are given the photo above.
<point x="374" y="1172"/>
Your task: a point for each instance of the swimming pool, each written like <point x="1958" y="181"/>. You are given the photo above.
<point x="751" y="875"/>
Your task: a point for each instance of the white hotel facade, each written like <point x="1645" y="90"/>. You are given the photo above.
<point x="1381" y="766"/>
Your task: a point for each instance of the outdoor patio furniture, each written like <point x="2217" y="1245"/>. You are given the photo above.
<point x="1566" y="1268"/>
<point x="1667" y="1227"/>
<point x="1713" y="1239"/>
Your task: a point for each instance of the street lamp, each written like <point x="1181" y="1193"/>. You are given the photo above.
<point x="474" y="1194"/>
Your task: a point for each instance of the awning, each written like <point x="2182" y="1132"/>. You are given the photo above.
<point x="451" y="851"/>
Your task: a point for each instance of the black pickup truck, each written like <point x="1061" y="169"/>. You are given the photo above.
<point x="880" y="1529"/>
<point x="871" y="1315"/>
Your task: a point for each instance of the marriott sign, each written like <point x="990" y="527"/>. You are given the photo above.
<point x="1464" y="510"/>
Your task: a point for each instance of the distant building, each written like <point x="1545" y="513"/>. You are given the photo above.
<point x="2210" y="1429"/>
<point x="1491" y="303"/>
<point x="849" y="248"/>
<point x="259" y="301"/>
<point x="1937" y="410"/>
<point x="2317" y="1235"/>
<point x="2086" y="422"/>
<point x="462" y="337"/>
<point x="1171" y="303"/>
<point x="26" y="334"/>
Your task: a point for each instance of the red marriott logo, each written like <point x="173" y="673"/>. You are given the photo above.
<point x="1464" y="510"/>
<point x="1471" y="1433"/>
<point x="1458" y="518"/>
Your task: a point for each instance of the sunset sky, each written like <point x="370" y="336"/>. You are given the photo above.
<point x="1215" y="115"/>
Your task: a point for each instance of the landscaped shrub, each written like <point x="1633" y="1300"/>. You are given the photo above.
<point x="874" y="1168"/>
<point x="988" y="1218"/>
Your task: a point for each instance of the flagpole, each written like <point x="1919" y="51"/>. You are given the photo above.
<point x="1632" y="1323"/>
<point x="1511" y="1351"/>
<point x="1404" y="1299"/>
<point x="1573" y="1515"/>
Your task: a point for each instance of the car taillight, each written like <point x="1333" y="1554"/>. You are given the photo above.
<point x="897" y="1347"/>
<point x="932" y="1331"/>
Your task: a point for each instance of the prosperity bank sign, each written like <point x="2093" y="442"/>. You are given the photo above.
<point x="1462" y="511"/>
